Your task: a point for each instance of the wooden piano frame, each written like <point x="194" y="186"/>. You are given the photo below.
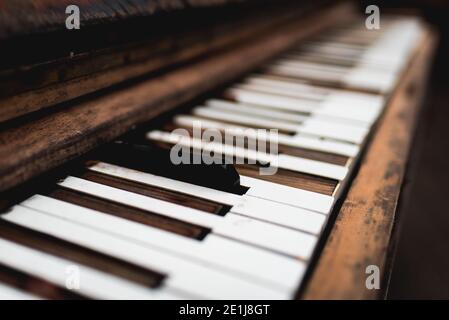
<point x="366" y="225"/>
<point x="364" y="229"/>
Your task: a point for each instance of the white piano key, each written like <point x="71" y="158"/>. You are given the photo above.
<point x="313" y="66"/>
<point x="363" y="78"/>
<point x="265" y="87"/>
<point x="333" y="41"/>
<point x="298" y="140"/>
<point x="395" y="45"/>
<point x="219" y="196"/>
<point x="321" y="128"/>
<point x="285" y="215"/>
<point x="370" y="80"/>
<point x="308" y="166"/>
<point x="331" y="48"/>
<point x="349" y="38"/>
<point x="93" y="283"/>
<point x="241" y="118"/>
<point x="282" y="214"/>
<point x="333" y="104"/>
<point x="10" y="293"/>
<point x="143" y="202"/>
<point x="320" y="168"/>
<point x="337" y="59"/>
<point x="314" y="92"/>
<point x="332" y="98"/>
<point x="292" y="242"/>
<point x="215" y="147"/>
<point x="351" y="54"/>
<point x="354" y="112"/>
<point x="361" y="117"/>
<point x="270" y="101"/>
<point x="331" y="63"/>
<point x="289" y="195"/>
<point x="252" y="109"/>
<point x="323" y="70"/>
<point x="280" y="239"/>
<point x="319" y="144"/>
<point x="313" y="127"/>
<point x="309" y="74"/>
<point x="306" y="91"/>
<point x="365" y="109"/>
<point x="296" y="197"/>
<point x="193" y="279"/>
<point x="266" y="268"/>
<point x="286" y="271"/>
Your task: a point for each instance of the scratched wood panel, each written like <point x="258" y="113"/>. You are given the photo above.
<point x="363" y="228"/>
<point x="29" y="16"/>
<point x="41" y="85"/>
<point x="50" y="140"/>
<point x="64" y="66"/>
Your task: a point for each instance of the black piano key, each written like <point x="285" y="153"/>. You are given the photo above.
<point x="148" y="157"/>
<point x="130" y="213"/>
<point x="158" y="193"/>
<point x="36" y="286"/>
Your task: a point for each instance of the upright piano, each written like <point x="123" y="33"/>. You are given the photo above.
<point x="118" y="180"/>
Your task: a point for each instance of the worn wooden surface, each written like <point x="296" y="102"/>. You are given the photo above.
<point x="31" y="148"/>
<point x="19" y="17"/>
<point x="363" y="229"/>
<point x="43" y="84"/>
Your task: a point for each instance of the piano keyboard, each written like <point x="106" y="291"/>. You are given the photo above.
<point x="136" y="231"/>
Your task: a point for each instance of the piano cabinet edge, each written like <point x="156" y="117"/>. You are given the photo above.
<point x="86" y="124"/>
<point x="365" y="227"/>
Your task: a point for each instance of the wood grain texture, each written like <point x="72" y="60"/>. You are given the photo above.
<point x="44" y="143"/>
<point x="364" y="226"/>
<point x="33" y="87"/>
<point x="19" y="17"/>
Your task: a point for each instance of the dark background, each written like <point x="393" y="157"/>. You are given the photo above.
<point x="421" y="267"/>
